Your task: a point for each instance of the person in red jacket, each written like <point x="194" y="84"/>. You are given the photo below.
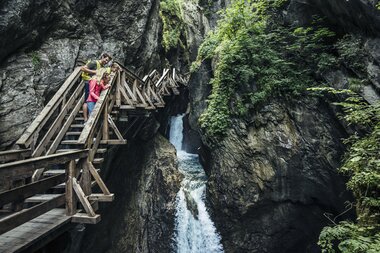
<point x="96" y="85"/>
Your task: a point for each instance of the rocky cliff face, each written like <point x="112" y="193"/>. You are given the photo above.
<point x="348" y="16"/>
<point x="272" y="179"/>
<point x="41" y="41"/>
<point x="145" y="180"/>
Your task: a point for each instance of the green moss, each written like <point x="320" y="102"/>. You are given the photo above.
<point x="36" y="60"/>
<point x="256" y="59"/>
<point x="352" y="54"/>
<point x="361" y="164"/>
<point x="173" y="24"/>
<point x="207" y="6"/>
<point x="355" y="84"/>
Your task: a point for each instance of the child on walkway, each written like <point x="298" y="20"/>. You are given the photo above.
<point x="96" y="85"/>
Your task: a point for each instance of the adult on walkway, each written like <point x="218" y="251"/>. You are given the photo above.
<point x="89" y="70"/>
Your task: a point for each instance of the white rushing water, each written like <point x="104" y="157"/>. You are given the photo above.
<point x="194" y="230"/>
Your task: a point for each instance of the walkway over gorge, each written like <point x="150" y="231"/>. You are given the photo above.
<point x="50" y="177"/>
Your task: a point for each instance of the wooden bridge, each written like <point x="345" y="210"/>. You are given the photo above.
<point x="49" y="179"/>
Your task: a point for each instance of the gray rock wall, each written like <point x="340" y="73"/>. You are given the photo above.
<point x="41" y="40"/>
<point x="347" y="15"/>
<point x="145" y="180"/>
<point x="272" y="179"/>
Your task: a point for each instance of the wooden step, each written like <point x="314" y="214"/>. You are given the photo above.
<point x="53" y="172"/>
<point x="73" y="133"/>
<point x="161" y="105"/>
<point x="85" y="218"/>
<point x="101" y="197"/>
<point x="63" y="185"/>
<point x="98" y="160"/>
<point x="114" y="142"/>
<point x="41" y="198"/>
<point x="70" y="142"/>
<point x="127" y="107"/>
<point x="59" y="151"/>
<point x="77" y="125"/>
<point x="101" y="150"/>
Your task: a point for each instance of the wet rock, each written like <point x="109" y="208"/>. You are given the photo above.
<point x="349" y="16"/>
<point x="191" y="204"/>
<point x="273" y="178"/>
<point x="145" y="181"/>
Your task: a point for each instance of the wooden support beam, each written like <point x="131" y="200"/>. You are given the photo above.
<point x="83" y="199"/>
<point x="98" y="179"/>
<point x="118" y="90"/>
<point x="86" y="177"/>
<point x="139" y="127"/>
<point x="127" y="99"/>
<point x="105" y="122"/>
<point x="26" y="191"/>
<point x="115" y="129"/>
<point x="142" y="99"/>
<point x="85" y="219"/>
<point x="101" y="197"/>
<point x="23" y="167"/>
<point x="25" y="215"/>
<point x="166" y="71"/>
<point x="155" y="96"/>
<point x="113" y="142"/>
<point x="12" y="155"/>
<point x="130" y="92"/>
<point x="95" y="145"/>
<point x="71" y="200"/>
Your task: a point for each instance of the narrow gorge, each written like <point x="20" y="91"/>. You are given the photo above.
<point x="271" y="146"/>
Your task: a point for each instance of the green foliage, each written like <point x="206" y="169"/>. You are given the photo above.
<point x="362" y="165"/>
<point x="355" y="84"/>
<point x="255" y="54"/>
<point x="352" y="238"/>
<point x="36" y="60"/>
<point x="173" y="24"/>
<point x="207" y="6"/>
<point x="352" y="54"/>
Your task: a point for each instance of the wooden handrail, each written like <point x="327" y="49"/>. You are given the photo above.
<point x="11" y="155"/>
<point x="22" y="167"/>
<point x="93" y="120"/>
<point x="25" y="215"/>
<point x="58" y="121"/>
<point x="130" y="73"/>
<point x="26" y="139"/>
<point x="26" y="191"/>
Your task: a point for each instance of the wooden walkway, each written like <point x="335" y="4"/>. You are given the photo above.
<point x="51" y="176"/>
<point x="35" y="233"/>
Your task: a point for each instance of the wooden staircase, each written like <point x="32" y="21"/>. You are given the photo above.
<point x="60" y="157"/>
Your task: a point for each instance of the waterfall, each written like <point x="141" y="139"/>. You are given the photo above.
<point x="194" y="230"/>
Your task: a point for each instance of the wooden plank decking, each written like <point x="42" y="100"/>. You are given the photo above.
<point x="34" y="232"/>
<point x="68" y="155"/>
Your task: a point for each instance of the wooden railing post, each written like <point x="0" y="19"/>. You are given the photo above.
<point x="71" y="200"/>
<point x="105" y="122"/>
<point x="118" y="87"/>
<point x="86" y="177"/>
